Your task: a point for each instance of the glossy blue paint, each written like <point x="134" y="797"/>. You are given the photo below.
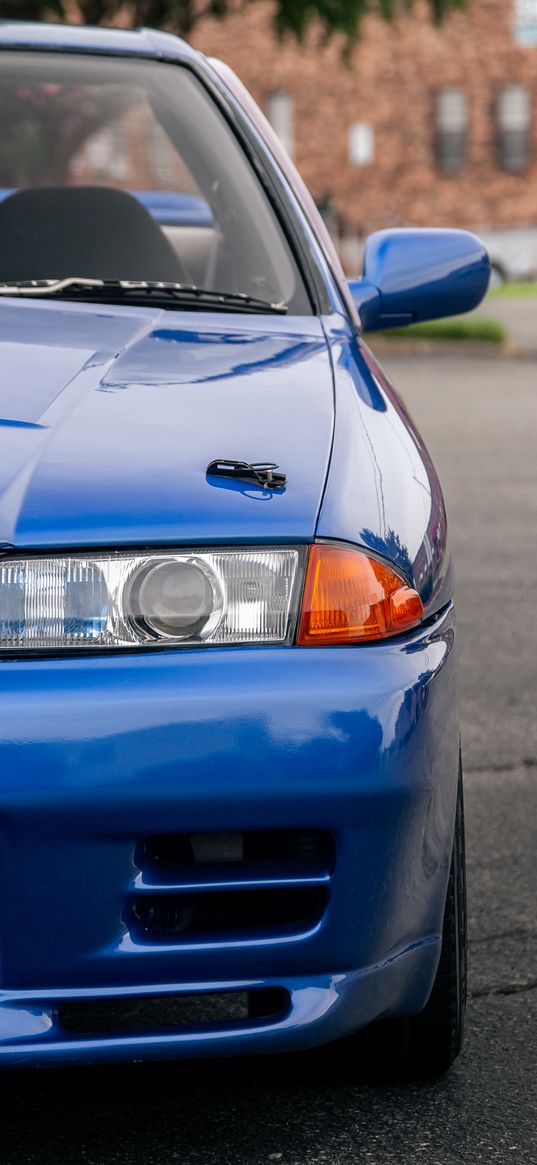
<point x="108" y="419"/>
<point x="131" y="409"/>
<point x="412" y="275"/>
<point x="383" y="492"/>
<point x="99" y="753"/>
<point x="321" y="1007"/>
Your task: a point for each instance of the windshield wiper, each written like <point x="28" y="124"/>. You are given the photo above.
<point x="141" y="290"/>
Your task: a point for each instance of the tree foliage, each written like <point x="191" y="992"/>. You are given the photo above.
<point x="290" y="16"/>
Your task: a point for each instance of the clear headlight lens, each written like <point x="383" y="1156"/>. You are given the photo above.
<point x="124" y="600"/>
<point x="176" y="600"/>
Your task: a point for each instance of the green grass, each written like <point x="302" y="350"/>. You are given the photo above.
<point x="459" y="328"/>
<point x="513" y="291"/>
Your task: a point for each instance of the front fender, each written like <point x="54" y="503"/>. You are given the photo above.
<point x="382" y="490"/>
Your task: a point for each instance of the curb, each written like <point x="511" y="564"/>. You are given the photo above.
<point x="481" y="349"/>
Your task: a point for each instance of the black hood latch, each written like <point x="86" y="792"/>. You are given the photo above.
<point x="258" y="473"/>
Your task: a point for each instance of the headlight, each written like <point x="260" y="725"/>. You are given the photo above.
<point x="200" y="598"/>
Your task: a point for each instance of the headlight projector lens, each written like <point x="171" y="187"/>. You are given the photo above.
<point x="178" y="599"/>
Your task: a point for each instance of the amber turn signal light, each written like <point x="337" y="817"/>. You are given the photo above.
<point x="351" y="598"/>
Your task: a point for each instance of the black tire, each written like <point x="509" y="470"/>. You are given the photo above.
<point x="425" y="1045"/>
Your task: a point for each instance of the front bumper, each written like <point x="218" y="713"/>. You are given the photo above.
<point x="98" y="754"/>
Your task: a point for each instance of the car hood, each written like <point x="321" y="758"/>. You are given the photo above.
<point x="109" y="417"/>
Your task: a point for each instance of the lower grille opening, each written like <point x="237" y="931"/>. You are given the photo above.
<point x="169" y="854"/>
<point x="169" y="1013"/>
<point x="168" y="916"/>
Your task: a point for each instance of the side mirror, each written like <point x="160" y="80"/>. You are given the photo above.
<point x="412" y="275"/>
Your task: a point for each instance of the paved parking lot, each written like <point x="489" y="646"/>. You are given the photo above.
<point x="480" y="420"/>
<point x="518" y="314"/>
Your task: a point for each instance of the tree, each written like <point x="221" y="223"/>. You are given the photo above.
<point x="293" y="16"/>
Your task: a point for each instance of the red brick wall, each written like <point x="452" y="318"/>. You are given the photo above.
<point x="390" y="83"/>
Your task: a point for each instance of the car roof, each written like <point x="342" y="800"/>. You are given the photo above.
<point x="142" y="42"/>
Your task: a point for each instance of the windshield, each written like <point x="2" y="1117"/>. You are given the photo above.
<point x="127" y="170"/>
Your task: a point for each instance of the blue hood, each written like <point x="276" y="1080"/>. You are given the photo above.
<point x="109" y="417"/>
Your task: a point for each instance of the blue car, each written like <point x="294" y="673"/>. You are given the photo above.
<point x="230" y="795"/>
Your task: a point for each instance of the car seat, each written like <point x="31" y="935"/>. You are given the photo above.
<point x="94" y="232"/>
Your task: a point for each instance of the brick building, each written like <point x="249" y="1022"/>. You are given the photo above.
<point x="423" y="126"/>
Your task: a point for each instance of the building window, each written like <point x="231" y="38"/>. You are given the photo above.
<point x="361" y="144"/>
<point x="525" y="22"/>
<point x="514" y="124"/>
<point x="451" y="125"/>
<point x="280" y="113"/>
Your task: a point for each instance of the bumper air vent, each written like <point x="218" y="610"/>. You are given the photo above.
<point x="200" y="887"/>
<point x="169" y="1013"/>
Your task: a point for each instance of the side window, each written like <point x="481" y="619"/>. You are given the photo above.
<point x="451" y="129"/>
<point x="513" y="115"/>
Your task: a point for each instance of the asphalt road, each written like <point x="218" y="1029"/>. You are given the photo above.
<point x="480" y="419"/>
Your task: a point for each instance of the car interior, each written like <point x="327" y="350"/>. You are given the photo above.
<point x="78" y="143"/>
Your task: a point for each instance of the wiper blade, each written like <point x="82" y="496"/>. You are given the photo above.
<point x="140" y="289"/>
